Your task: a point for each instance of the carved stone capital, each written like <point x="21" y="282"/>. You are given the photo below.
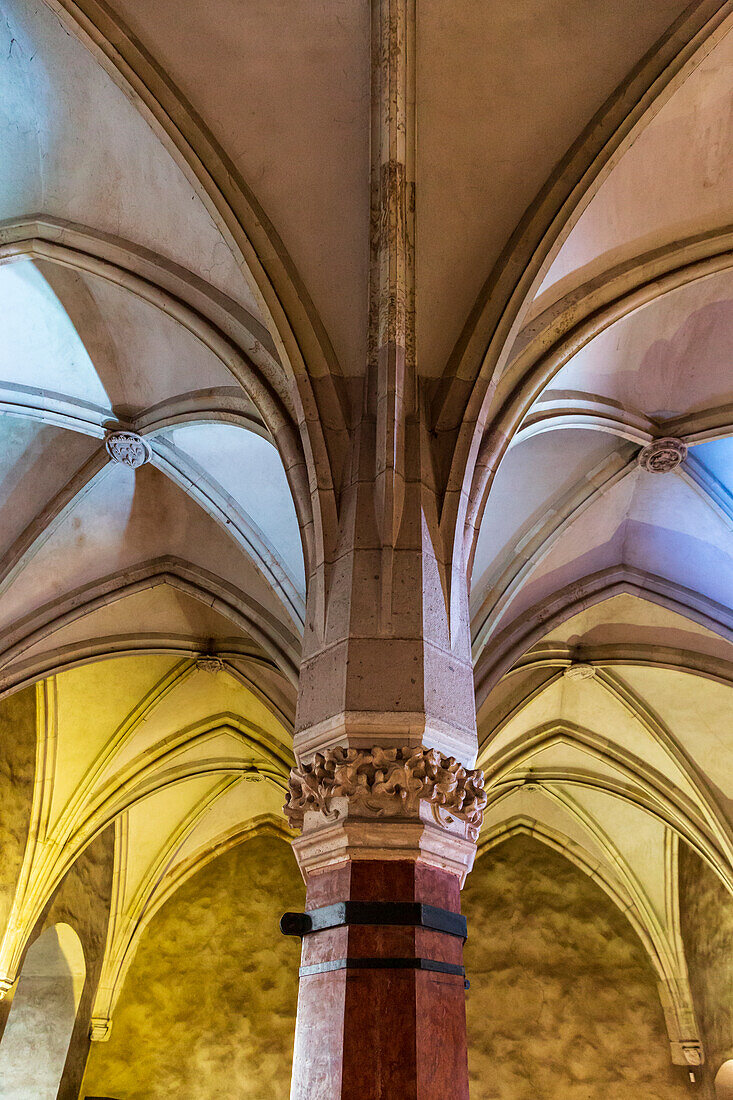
<point x="394" y="785"/>
<point x="663" y="455"/>
<point x="6" y="984"/>
<point x="362" y="729"/>
<point x="324" y="844"/>
<point x="127" y="448"/>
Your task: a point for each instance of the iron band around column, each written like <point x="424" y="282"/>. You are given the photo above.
<point x="406" y="913"/>
<point x="382" y="963"/>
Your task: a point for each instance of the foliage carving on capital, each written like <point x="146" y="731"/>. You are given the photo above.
<point x="387" y="783"/>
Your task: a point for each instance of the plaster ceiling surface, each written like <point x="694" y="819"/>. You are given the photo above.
<point x="141" y="357"/>
<point x="550" y="465"/>
<point x="698" y="711"/>
<point x="71" y="519"/>
<point x="163" y="612"/>
<point x="285" y="90"/>
<point x="618" y="714"/>
<point x="638" y="839"/>
<point x="665" y="360"/>
<point x="41" y="348"/>
<point x="36" y="461"/>
<point x="584" y="706"/>
<point x="491" y="130"/>
<point x="286" y="94"/>
<point x="155" y="744"/>
<point x="674" y="180"/>
<point x="159" y="611"/>
<point x="75" y="147"/>
<point x="116" y="526"/>
<point x="90" y="704"/>
<point x="627" y="618"/>
<point x="248" y="467"/>
<point x="670" y="532"/>
<point x="539" y="810"/>
<point x="245" y="801"/>
<point x="661" y="369"/>
<point x="197" y="697"/>
<point x="169" y="807"/>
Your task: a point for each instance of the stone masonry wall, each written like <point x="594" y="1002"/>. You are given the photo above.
<point x="208" y="1007"/>
<point x="563" y="1002"/>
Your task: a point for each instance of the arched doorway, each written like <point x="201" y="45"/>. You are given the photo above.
<point x="724" y="1081"/>
<point x="36" y="1040"/>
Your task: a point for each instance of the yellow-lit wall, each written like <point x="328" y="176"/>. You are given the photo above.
<point x="563" y="1002"/>
<point x="17" y="770"/>
<point x="208" y="1007"/>
<point x="83" y="901"/>
<point x="706" y="913"/>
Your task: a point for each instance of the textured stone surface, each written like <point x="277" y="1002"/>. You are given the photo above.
<point x="563" y="1002"/>
<point x="81" y="901"/>
<point x="706" y="913"/>
<point x="36" y="1040"/>
<point x="17" y="768"/>
<point x="208" y="1007"/>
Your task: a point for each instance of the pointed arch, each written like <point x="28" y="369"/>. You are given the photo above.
<point x="300" y="337"/>
<point x="42" y="1016"/>
<point x="235" y="337"/>
<point x="530" y="627"/>
<point x="249" y="616"/>
<point x="156" y="891"/>
<point x="564" y="329"/>
<point x="460" y="406"/>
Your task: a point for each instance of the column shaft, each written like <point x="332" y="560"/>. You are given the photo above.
<point x="386" y="1031"/>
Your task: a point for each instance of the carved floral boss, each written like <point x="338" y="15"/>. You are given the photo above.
<point x="387" y="783"/>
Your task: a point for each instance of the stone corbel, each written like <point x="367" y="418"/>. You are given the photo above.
<point x="99" y="1029"/>
<point x="688" y="1053"/>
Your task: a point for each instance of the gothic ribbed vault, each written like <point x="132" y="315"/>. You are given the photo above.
<point x="198" y="249"/>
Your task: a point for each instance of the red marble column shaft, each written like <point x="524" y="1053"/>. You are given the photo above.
<point x="381" y="1034"/>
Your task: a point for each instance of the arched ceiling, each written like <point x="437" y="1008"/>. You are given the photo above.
<point x="74" y="520"/>
<point x="89" y="347"/>
<point x="158" y="610"/>
<point x="601" y="590"/>
<point x="607" y="741"/>
<point x="627" y="342"/>
<point x="75" y="148"/>
<point x="131" y="300"/>
<point x="674" y="181"/>
<point x="184" y="756"/>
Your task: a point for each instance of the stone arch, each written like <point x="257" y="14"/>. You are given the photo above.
<point x="724" y="1081"/>
<point x="558" y="1013"/>
<point x="213" y="967"/>
<point x="42" y="1016"/>
<point x="520" y="634"/>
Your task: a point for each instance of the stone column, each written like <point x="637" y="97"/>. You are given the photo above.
<point x="388" y="835"/>
<point x="385" y="735"/>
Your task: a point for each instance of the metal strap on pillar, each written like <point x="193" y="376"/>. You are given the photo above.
<point x="406" y="913"/>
